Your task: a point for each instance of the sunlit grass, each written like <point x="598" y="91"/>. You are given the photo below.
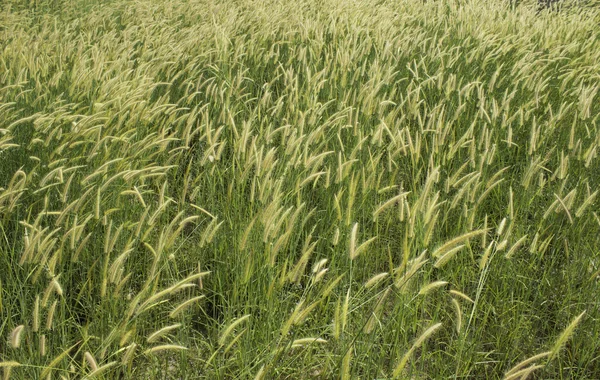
<point x="270" y="190"/>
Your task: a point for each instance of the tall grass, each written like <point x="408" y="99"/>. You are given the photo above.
<point x="308" y="189"/>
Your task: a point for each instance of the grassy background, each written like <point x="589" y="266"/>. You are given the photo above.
<point x="146" y="143"/>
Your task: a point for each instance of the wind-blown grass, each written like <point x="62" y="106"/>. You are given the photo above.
<point x="308" y="189"/>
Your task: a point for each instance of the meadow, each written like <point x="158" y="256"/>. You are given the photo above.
<point x="308" y="189"/>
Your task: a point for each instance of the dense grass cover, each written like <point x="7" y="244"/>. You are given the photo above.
<point x="299" y="189"/>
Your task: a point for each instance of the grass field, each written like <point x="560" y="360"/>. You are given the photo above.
<point x="308" y="189"/>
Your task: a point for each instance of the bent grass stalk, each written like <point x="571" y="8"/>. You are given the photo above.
<point x="565" y="336"/>
<point x="398" y="370"/>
